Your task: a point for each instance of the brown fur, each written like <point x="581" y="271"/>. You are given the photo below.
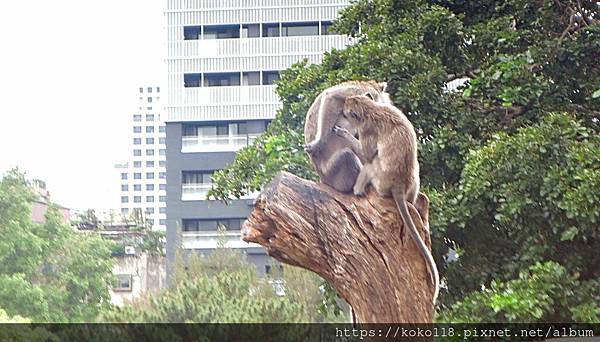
<point x="388" y="146"/>
<point x="331" y="155"/>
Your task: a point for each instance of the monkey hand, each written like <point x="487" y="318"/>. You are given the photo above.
<point x="312" y="148"/>
<point x="342" y="132"/>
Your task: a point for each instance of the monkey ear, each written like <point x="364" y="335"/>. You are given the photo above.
<point x="383" y="86"/>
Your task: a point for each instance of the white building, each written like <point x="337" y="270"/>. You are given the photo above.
<point x="143" y="177"/>
<point x="223" y="57"/>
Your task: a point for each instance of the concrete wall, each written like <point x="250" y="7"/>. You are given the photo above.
<point x="148" y="276"/>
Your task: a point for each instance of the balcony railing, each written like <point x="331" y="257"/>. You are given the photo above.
<point x="230" y="143"/>
<point x="256" y="47"/>
<point x="194" y="192"/>
<point x="232" y="95"/>
<point x="210" y="239"/>
<point x="198" y="191"/>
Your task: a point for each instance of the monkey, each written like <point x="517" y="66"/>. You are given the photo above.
<point x="336" y="164"/>
<point x="388" y="145"/>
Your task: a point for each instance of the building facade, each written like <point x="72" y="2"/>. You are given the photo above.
<point x="143" y="178"/>
<point x="223" y="57"/>
<point x="42" y="202"/>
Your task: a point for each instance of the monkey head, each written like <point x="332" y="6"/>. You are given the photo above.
<point x="355" y="108"/>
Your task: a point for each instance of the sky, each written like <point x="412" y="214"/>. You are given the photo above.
<point x="70" y="71"/>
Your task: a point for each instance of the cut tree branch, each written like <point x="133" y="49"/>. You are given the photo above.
<point x="353" y="242"/>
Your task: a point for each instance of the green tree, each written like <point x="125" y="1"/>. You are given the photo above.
<point x="525" y="198"/>
<point x="491" y="190"/>
<point x="48" y="272"/>
<point x="223" y="287"/>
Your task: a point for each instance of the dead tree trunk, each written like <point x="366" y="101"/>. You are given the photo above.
<point x="353" y="242"/>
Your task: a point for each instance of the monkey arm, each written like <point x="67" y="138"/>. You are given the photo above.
<point x="362" y="151"/>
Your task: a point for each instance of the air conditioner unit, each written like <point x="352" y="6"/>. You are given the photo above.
<point x="129" y="250"/>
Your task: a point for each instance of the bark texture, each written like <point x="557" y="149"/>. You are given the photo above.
<point x="353" y="242"/>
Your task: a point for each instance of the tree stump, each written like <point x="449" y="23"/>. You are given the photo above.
<point x="352" y="242"/>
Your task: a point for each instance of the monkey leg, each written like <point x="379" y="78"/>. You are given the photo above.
<point x="364" y="177"/>
<point x="341" y="170"/>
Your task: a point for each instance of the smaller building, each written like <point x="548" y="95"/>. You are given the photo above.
<point x="42" y="202"/>
<point x="140" y="264"/>
<point x="137" y="273"/>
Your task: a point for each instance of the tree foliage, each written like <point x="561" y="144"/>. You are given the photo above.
<point x="48" y="272"/>
<point x="225" y="288"/>
<point x="510" y="159"/>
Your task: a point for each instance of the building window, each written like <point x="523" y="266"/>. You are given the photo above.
<point x="148" y="108"/>
<point x="326" y="28"/>
<point x="149" y="129"/>
<point x="162" y="198"/>
<point x="137" y="164"/>
<point x="150" y="98"/>
<point x="149" y="175"/>
<point x="194" y="225"/>
<point x="197" y="177"/>
<point x="149" y="152"/>
<point x="191" y="80"/>
<point x="149" y="117"/>
<point x="270" y="30"/>
<point x="137" y="129"/>
<point x="190" y="33"/>
<point x="124" y="176"/>
<point x="149" y="187"/>
<point x="162" y="141"/>
<point x="269" y="269"/>
<point x="251" y="78"/>
<point x="161" y="129"/>
<point x="123" y="282"/>
<point x="149" y="141"/>
<point x="150" y="163"/>
<point x="137" y="199"/>
<point x="150" y="199"/>
<point x="250" y="31"/>
<point x="124" y="199"/>
<point x="137" y="117"/>
<point x="162" y="163"/>
<point x="141" y="90"/>
<point x="221" y="79"/>
<point x="149" y="210"/>
<point x="124" y="187"/>
<point x="162" y="210"/>
<point x="299" y="29"/>
<point x="149" y="89"/>
<point x="162" y="222"/>
<point x="162" y="186"/>
<point x="137" y="175"/>
<point x="162" y="175"/>
<point x="269" y="77"/>
<point x="158" y="89"/>
<point x="162" y="152"/>
<point x="221" y="31"/>
<point x="137" y="187"/>
<point x="137" y="141"/>
<point x="124" y="211"/>
<point x="137" y="153"/>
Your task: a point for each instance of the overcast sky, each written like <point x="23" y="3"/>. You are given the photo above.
<point x="69" y="76"/>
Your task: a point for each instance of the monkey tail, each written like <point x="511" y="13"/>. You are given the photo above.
<point x="410" y="225"/>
